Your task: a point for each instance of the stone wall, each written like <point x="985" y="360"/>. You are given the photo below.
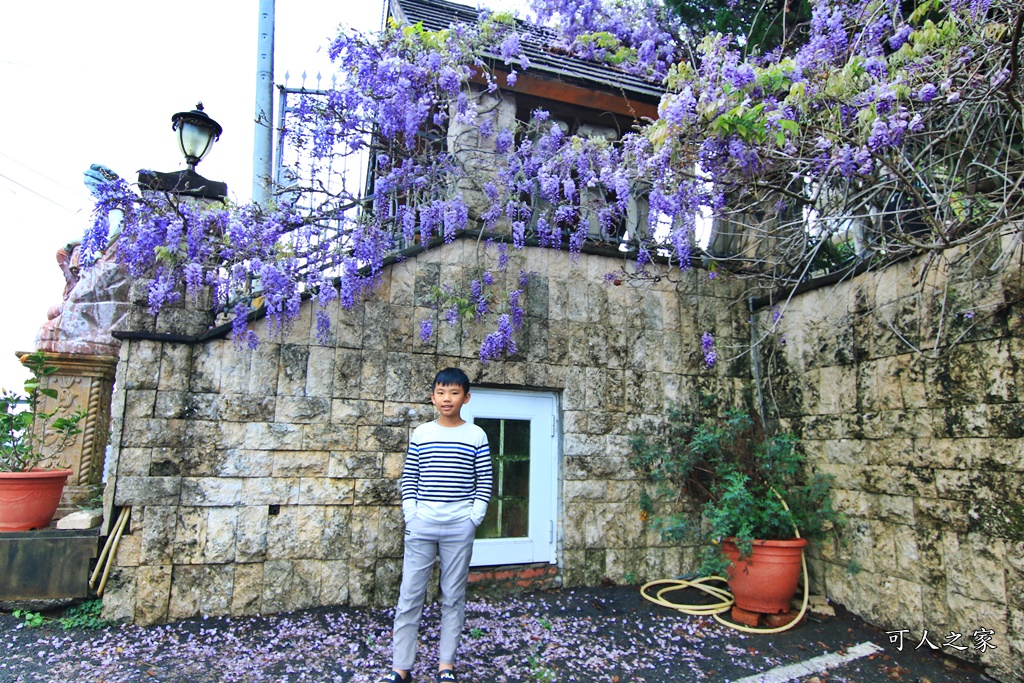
<point x="909" y="393"/>
<point x="265" y="479"/>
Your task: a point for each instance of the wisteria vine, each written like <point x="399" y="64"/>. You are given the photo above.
<point x="869" y="133"/>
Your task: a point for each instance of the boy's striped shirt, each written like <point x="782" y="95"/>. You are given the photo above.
<point x="446" y="470"/>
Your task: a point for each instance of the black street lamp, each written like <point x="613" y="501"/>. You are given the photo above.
<point x="196" y="133"/>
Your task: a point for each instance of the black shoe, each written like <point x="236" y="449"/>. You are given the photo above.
<point x="393" y="677"/>
<point x="446" y="676"/>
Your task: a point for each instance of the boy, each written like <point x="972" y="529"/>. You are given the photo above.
<point x="446" y="486"/>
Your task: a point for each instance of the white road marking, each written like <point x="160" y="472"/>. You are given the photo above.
<point x="791" y="672"/>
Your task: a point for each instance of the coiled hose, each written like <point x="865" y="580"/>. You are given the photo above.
<point x="726" y="599"/>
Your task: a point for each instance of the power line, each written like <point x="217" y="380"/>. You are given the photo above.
<point x="55" y="203"/>
<point x="43" y="175"/>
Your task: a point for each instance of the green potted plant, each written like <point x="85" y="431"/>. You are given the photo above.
<point x="31" y="436"/>
<point x="747" y="497"/>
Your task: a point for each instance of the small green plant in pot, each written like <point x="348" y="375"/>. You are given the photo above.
<point x="735" y="491"/>
<point x="30" y="435"/>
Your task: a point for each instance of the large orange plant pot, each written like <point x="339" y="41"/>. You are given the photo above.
<point x="28" y="500"/>
<point x="766" y="581"/>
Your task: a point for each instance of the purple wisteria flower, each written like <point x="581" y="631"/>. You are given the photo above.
<point x="707" y="347"/>
<point x="426" y="330"/>
<point x="499" y="342"/>
<point x="451" y="315"/>
<point x="839" y="108"/>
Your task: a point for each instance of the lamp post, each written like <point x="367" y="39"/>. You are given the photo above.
<point x="196" y="133"/>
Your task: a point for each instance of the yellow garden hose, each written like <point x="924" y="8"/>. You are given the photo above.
<point x="714" y="609"/>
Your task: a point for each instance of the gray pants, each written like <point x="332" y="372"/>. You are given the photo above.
<point x="424" y="541"/>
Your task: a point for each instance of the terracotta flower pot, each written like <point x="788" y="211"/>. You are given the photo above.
<point x="766" y="581"/>
<point x="28" y="500"/>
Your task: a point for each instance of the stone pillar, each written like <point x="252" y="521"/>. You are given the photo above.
<point x="81" y="382"/>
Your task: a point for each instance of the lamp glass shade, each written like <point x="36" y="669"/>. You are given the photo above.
<point x="195" y="141"/>
<point x="196" y="133"/>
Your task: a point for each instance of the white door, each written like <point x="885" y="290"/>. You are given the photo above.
<point x="521" y="429"/>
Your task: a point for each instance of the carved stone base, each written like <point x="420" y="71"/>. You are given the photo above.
<point x="87" y="382"/>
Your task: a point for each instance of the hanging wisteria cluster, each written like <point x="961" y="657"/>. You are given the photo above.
<point x="874" y="131"/>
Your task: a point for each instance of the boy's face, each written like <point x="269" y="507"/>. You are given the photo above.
<point x="449" y="399"/>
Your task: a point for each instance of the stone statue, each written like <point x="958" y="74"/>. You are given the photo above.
<point x="95" y="301"/>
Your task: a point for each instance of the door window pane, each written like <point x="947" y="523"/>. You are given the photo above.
<point x="508" y="513"/>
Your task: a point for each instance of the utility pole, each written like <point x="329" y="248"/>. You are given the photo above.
<point x="263" y="140"/>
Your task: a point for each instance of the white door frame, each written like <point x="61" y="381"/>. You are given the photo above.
<point x="541" y="408"/>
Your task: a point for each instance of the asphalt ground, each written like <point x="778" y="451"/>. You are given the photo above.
<point x="607" y="634"/>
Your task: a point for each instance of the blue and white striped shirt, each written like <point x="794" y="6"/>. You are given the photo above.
<point x="448" y="475"/>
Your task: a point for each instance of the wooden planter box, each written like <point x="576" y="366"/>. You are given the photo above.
<point x="46" y="564"/>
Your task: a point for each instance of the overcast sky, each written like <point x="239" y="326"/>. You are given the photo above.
<point x="97" y="82"/>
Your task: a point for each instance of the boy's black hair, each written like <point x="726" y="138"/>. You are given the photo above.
<point x="450" y="376"/>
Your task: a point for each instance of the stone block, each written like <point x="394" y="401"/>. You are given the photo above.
<point x="251" y="534"/>
<point x="361" y="583"/>
<point x="334" y="583"/>
<point x="144" y="433"/>
<point x="300" y="463"/>
<point x="392" y="465"/>
<point x="244" y="462"/>
<point x="582" y="446"/>
<point x="247" y="591"/>
<point x="152" y="594"/>
<point x="350" y="411"/>
<point x="328" y="437"/>
<point x="143" y="368"/>
<point x="140" y="403"/>
<point x="374" y="492"/>
<point x="893" y="508"/>
<point x="964" y="422"/>
<point x="147" y="491"/>
<point x="82" y="519"/>
<point x="627" y="492"/>
<point x="320" y="372"/>
<point x="297" y="532"/>
<point x="200" y="590"/>
<point x="175" y="367"/>
<point x="221" y="535"/>
<point x="585" y="489"/>
<point x="246" y="408"/>
<point x="337" y="532"/>
<point x="291" y="585"/>
<point x="129" y="551"/>
<point x="357" y="465"/>
<point x="974" y="567"/>
<point x="270" y="491"/>
<point x="157" y="535"/>
<point x="206" y="368"/>
<point x="302" y="410"/>
<point x="236" y="369"/>
<point x="292" y="374"/>
<point x="271" y="436"/>
<point x="326" y="491"/>
<point x="264" y="367"/>
<point x="380" y="438"/>
<point x="401" y="414"/>
<point x="365" y="534"/>
<point x="189" y="535"/>
<point x="387" y="578"/>
<point x="211" y="491"/>
<point x="939" y="513"/>
<point x="134" y="462"/>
